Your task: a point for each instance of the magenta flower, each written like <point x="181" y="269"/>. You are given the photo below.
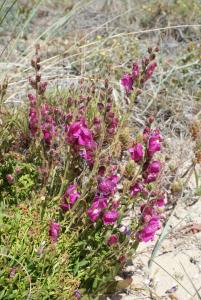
<point x="151" y="178"/>
<point x="108" y="185"/>
<point x="150" y="69"/>
<point x="54" y="231"/>
<point x="45" y="109"/>
<point x="160" y="202"/>
<point x="154" y="167"/>
<point x="88" y="155"/>
<point x="113" y="239"/>
<point x="110" y="217"/>
<point x="102" y="201"/>
<point x="136" y="152"/>
<point x="149" y="230"/>
<point x="70" y="197"/>
<point x="127" y="82"/>
<point x="148" y="212"/>
<point x="136" y="188"/>
<point x="79" y="134"/>
<point x="153" y="145"/>
<point x="94" y="211"/>
<point x="47" y="136"/>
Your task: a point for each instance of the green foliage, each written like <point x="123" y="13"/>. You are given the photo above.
<point x="29" y="263"/>
<point x="24" y="181"/>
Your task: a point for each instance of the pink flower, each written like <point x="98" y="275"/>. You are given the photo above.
<point x="10" y="178"/>
<point x="151" y="171"/>
<point x="47" y="136"/>
<point x="45" y="109"/>
<point x="136" y="152"/>
<point x="150" y="69"/>
<point x="70" y="197"/>
<point x="127" y="82"/>
<point x="151" y="178"/>
<point x="110" y="217"/>
<point x="115" y="204"/>
<point x="18" y="170"/>
<point x="154" y="144"/>
<point x="149" y="230"/>
<point x="99" y="203"/>
<point x="108" y="185"/>
<point x="135" y="71"/>
<point x="54" y="231"/>
<point x="154" y="167"/>
<point x="148" y="212"/>
<point x="102" y="201"/>
<point x="113" y="239"/>
<point x="88" y="155"/>
<point x="79" y="134"/>
<point x="94" y="211"/>
<point x="160" y="202"/>
<point x="136" y="188"/>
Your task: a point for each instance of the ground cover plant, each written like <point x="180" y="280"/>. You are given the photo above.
<point x="71" y="171"/>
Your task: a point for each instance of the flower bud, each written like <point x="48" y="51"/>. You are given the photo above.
<point x="113" y="239"/>
<point x="176" y="187"/>
<point x="10" y="178"/>
<point x="38" y="77"/>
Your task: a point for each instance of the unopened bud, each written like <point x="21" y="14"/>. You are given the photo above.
<point x="38" y="77"/>
<point x="32" y="83"/>
<point x="10" y="178"/>
<point x="176" y="187"/>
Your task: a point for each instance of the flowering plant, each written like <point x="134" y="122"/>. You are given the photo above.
<point x="91" y="176"/>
